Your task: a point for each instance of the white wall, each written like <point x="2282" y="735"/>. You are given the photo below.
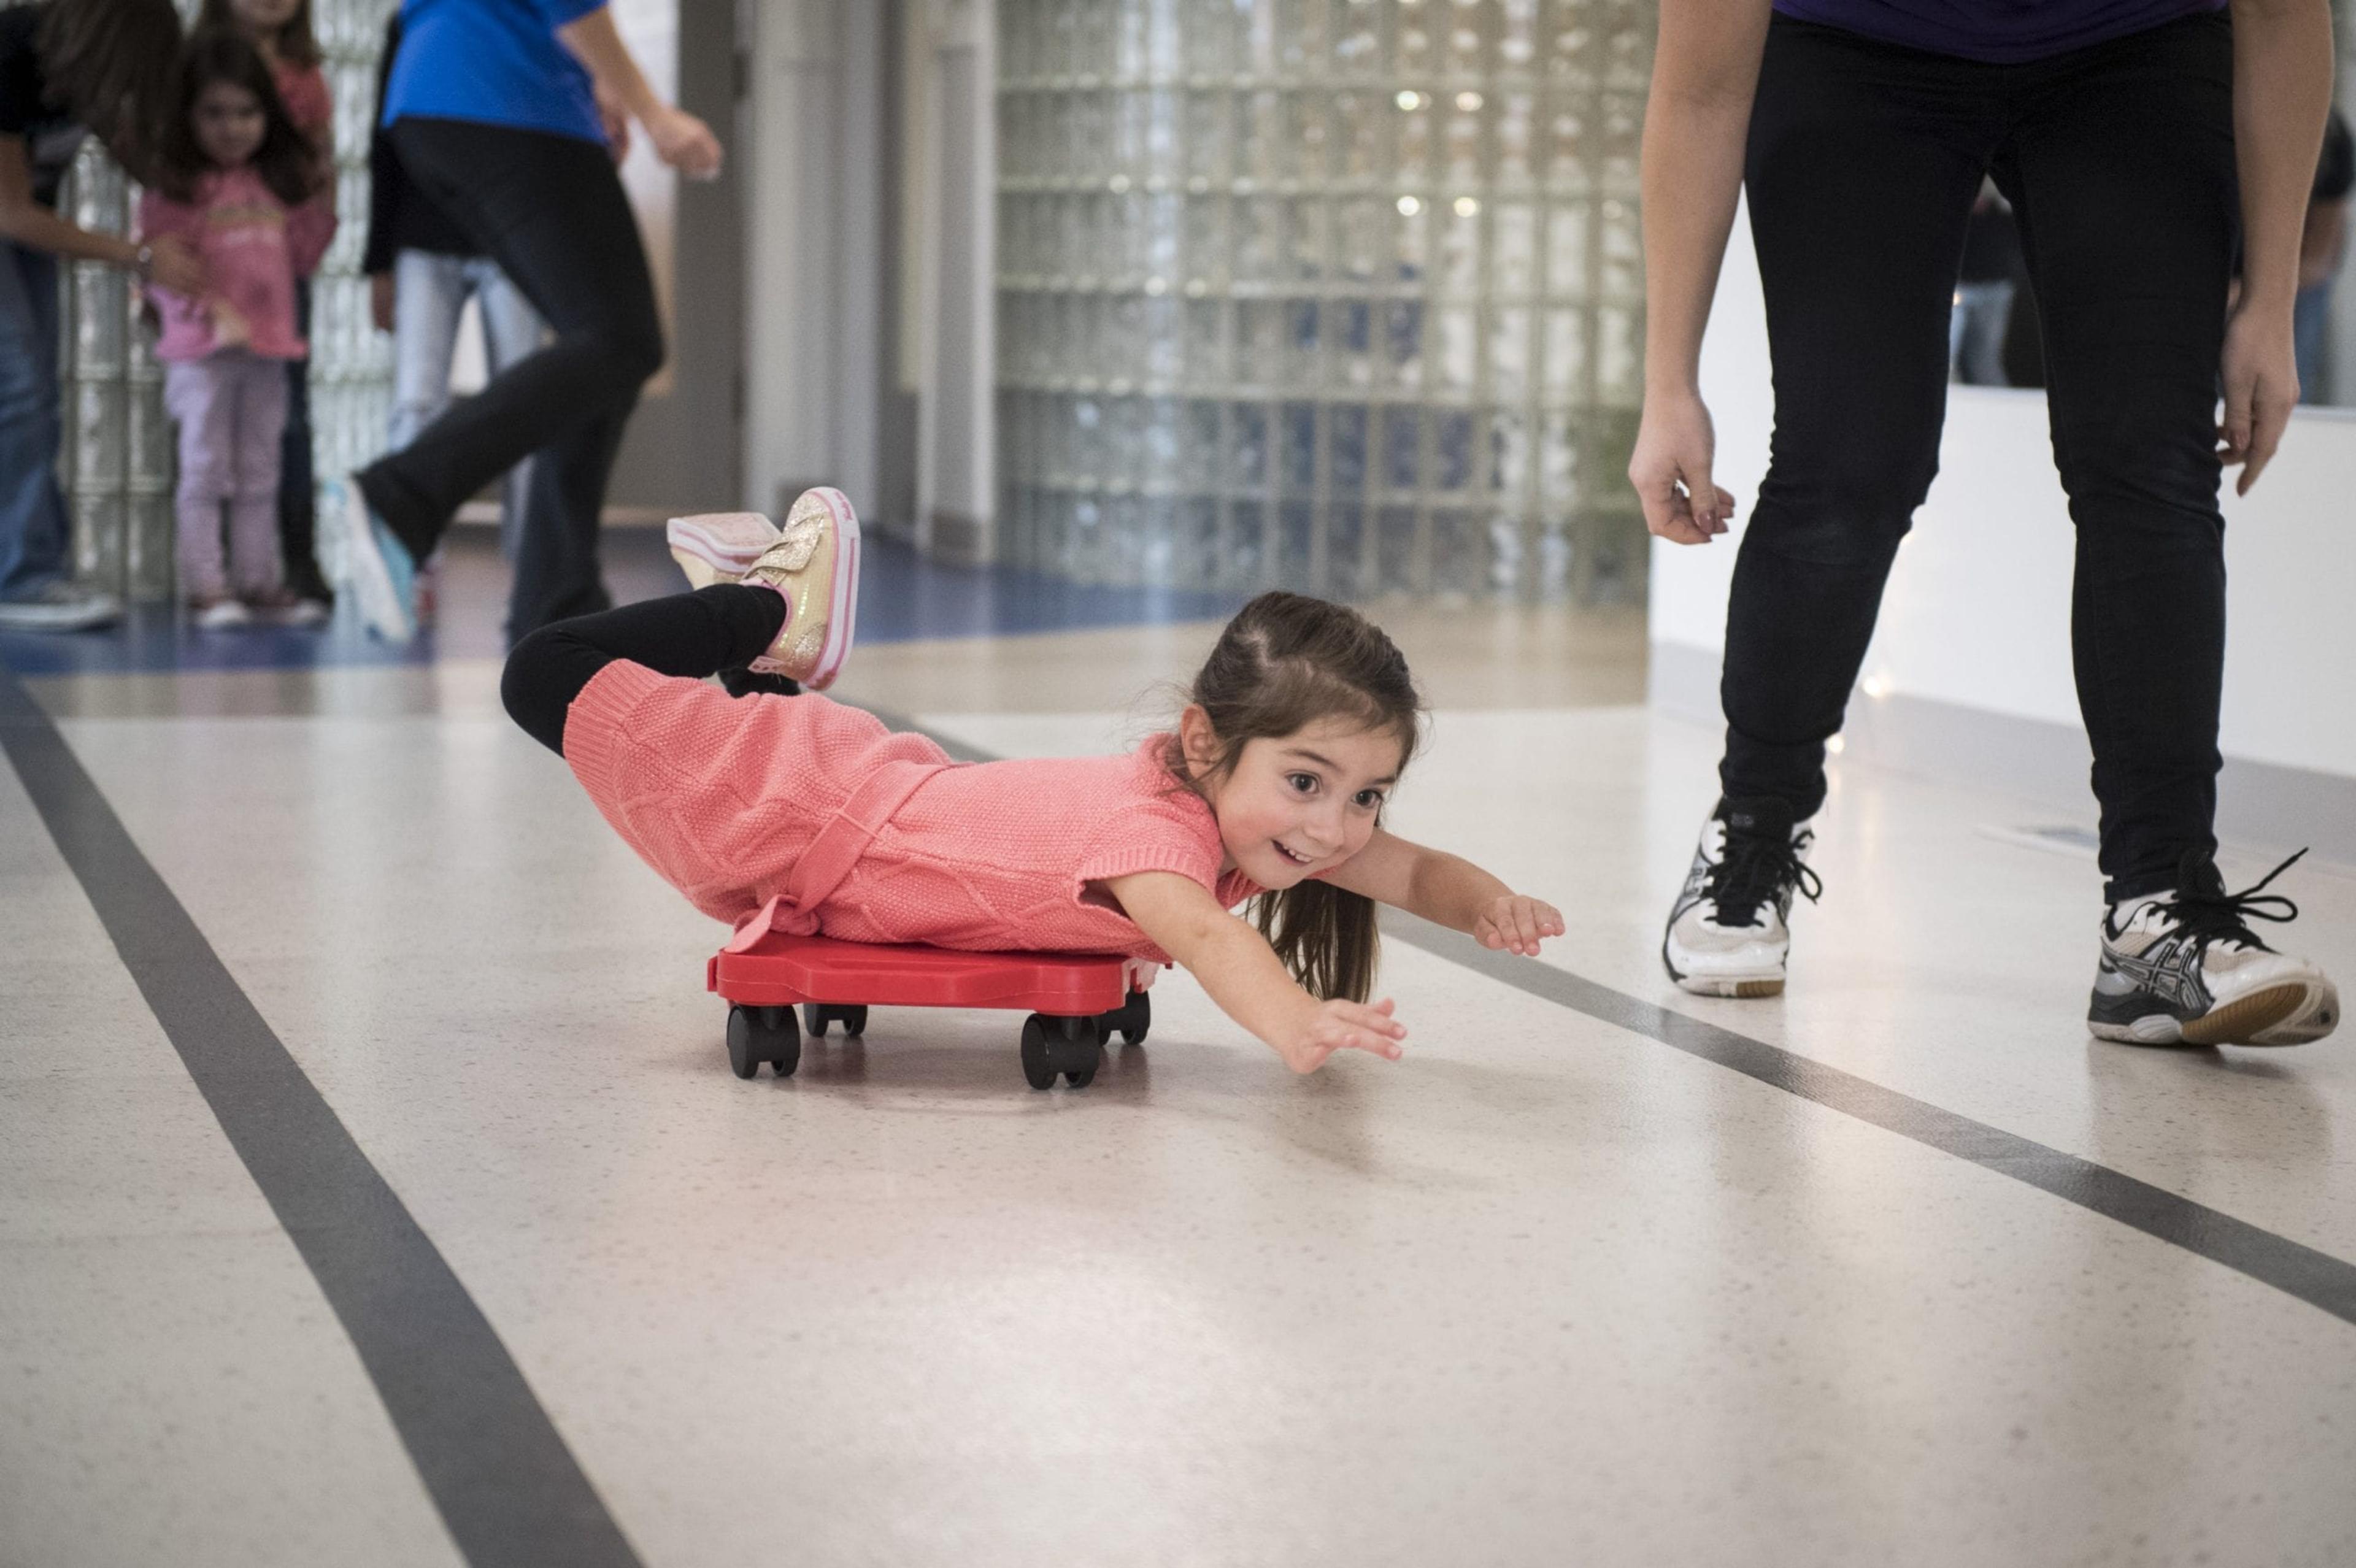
<point x="812" y="220"/>
<point x="1978" y="608"/>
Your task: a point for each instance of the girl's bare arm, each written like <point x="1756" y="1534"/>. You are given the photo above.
<point x="1448" y="891"/>
<point x="1244" y="975"/>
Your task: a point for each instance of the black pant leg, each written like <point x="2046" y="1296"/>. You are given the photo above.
<point x="298" y="500"/>
<point x="2122" y="170"/>
<point x="1860" y="169"/>
<point x="723" y="627"/>
<point x="550" y="209"/>
<point x="556" y="567"/>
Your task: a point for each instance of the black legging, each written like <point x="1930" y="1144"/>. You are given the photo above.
<point x="1862" y="169"/>
<point x="713" y="631"/>
<point x="550" y="209"/>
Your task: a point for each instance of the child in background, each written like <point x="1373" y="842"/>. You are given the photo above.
<point x="801" y="815"/>
<point x="236" y="184"/>
<point x="281" y="31"/>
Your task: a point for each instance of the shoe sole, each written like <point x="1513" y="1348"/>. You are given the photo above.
<point x="2253" y="1020"/>
<point x="66" y="621"/>
<point x="842" y="608"/>
<point x="1736" y="985"/>
<point x="706" y="557"/>
<point x="379" y="606"/>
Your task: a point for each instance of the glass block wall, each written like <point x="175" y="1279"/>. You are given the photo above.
<point x="1344" y="295"/>
<point x="116" y="466"/>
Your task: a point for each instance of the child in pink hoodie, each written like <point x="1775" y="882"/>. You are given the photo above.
<point x="237" y="184"/>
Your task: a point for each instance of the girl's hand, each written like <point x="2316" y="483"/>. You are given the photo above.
<point x="1517" y="924"/>
<point x="1138" y="974"/>
<point x="685" y="143"/>
<point x="1343" y="1026"/>
<point x="2260" y="371"/>
<point x="1674" y="447"/>
<point x="172" y="264"/>
<point x="229" y="330"/>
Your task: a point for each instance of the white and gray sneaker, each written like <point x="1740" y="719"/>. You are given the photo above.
<point x="1727" y="934"/>
<point x="59" y="607"/>
<point x="2184" y="968"/>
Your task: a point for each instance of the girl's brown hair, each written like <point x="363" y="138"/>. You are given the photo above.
<point x="285" y="160"/>
<point x="295" y="44"/>
<point x="109" y="64"/>
<point x="1282" y="664"/>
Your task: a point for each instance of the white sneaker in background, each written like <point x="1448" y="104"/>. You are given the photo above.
<point x="59" y="607"/>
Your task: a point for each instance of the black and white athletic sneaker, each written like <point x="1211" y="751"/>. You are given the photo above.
<point x="1728" y="935"/>
<point x="2184" y="968"/>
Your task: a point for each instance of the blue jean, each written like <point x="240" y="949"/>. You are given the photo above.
<point x="430" y="290"/>
<point x="35" y="546"/>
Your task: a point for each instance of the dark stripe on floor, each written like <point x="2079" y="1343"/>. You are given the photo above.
<point x="2317" y="1278"/>
<point x="508" y="1487"/>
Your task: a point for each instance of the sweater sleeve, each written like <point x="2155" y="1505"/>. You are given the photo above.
<point x="1154" y="832"/>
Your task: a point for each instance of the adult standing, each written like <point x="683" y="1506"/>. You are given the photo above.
<point x="493" y="110"/>
<point x="421" y="270"/>
<point x="67" y="68"/>
<point x="2133" y="138"/>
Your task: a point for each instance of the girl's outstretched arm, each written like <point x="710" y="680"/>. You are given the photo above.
<point x="1448" y="891"/>
<point x="1245" y="977"/>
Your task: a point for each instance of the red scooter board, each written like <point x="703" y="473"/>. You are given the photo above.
<point x="1075" y="1001"/>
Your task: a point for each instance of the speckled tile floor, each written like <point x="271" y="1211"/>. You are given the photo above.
<point x="1547" y="1291"/>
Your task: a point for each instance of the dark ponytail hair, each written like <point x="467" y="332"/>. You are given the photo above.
<point x="285" y="160"/>
<point x="109" y="64"/>
<point x="1285" y="662"/>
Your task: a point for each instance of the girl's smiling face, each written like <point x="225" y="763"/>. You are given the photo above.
<point x="1294" y="805"/>
<point x="228" y="124"/>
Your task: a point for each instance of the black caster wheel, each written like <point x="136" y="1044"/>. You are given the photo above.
<point x="1053" y="1046"/>
<point x="763" y="1034"/>
<point x="1131" y="1019"/>
<point x="816" y="1016"/>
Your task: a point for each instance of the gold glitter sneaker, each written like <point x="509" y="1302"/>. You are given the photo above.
<point x="813" y="561"/>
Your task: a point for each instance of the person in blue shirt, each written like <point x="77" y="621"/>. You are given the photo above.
<point x="2141" y="144"/>
<point x="493" y="107"/>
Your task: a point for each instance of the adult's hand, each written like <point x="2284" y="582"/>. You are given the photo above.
<point x="1674" y="447"/>
<point x="380" y="300"/>
<point x="173" y="264"/>
<point x="2261" y="376"/>
<point x="685" y="143"/>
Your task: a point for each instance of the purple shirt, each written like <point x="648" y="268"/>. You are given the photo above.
<point x="2000" y="32"/>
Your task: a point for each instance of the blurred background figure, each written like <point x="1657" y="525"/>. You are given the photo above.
<point x="2323" y="245"/>
<point x="421" y="270"/>
<point x="1984" y="292"/>
<point x="240" y="184"/>
<point x="67" y="68"/>
<point x="281" y="30"/>
<point x="493" y="109"/>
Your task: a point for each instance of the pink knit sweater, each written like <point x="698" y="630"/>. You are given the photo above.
<point x="738" y="803"/>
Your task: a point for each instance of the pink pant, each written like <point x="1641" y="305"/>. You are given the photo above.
<point x="231" y="409"/>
